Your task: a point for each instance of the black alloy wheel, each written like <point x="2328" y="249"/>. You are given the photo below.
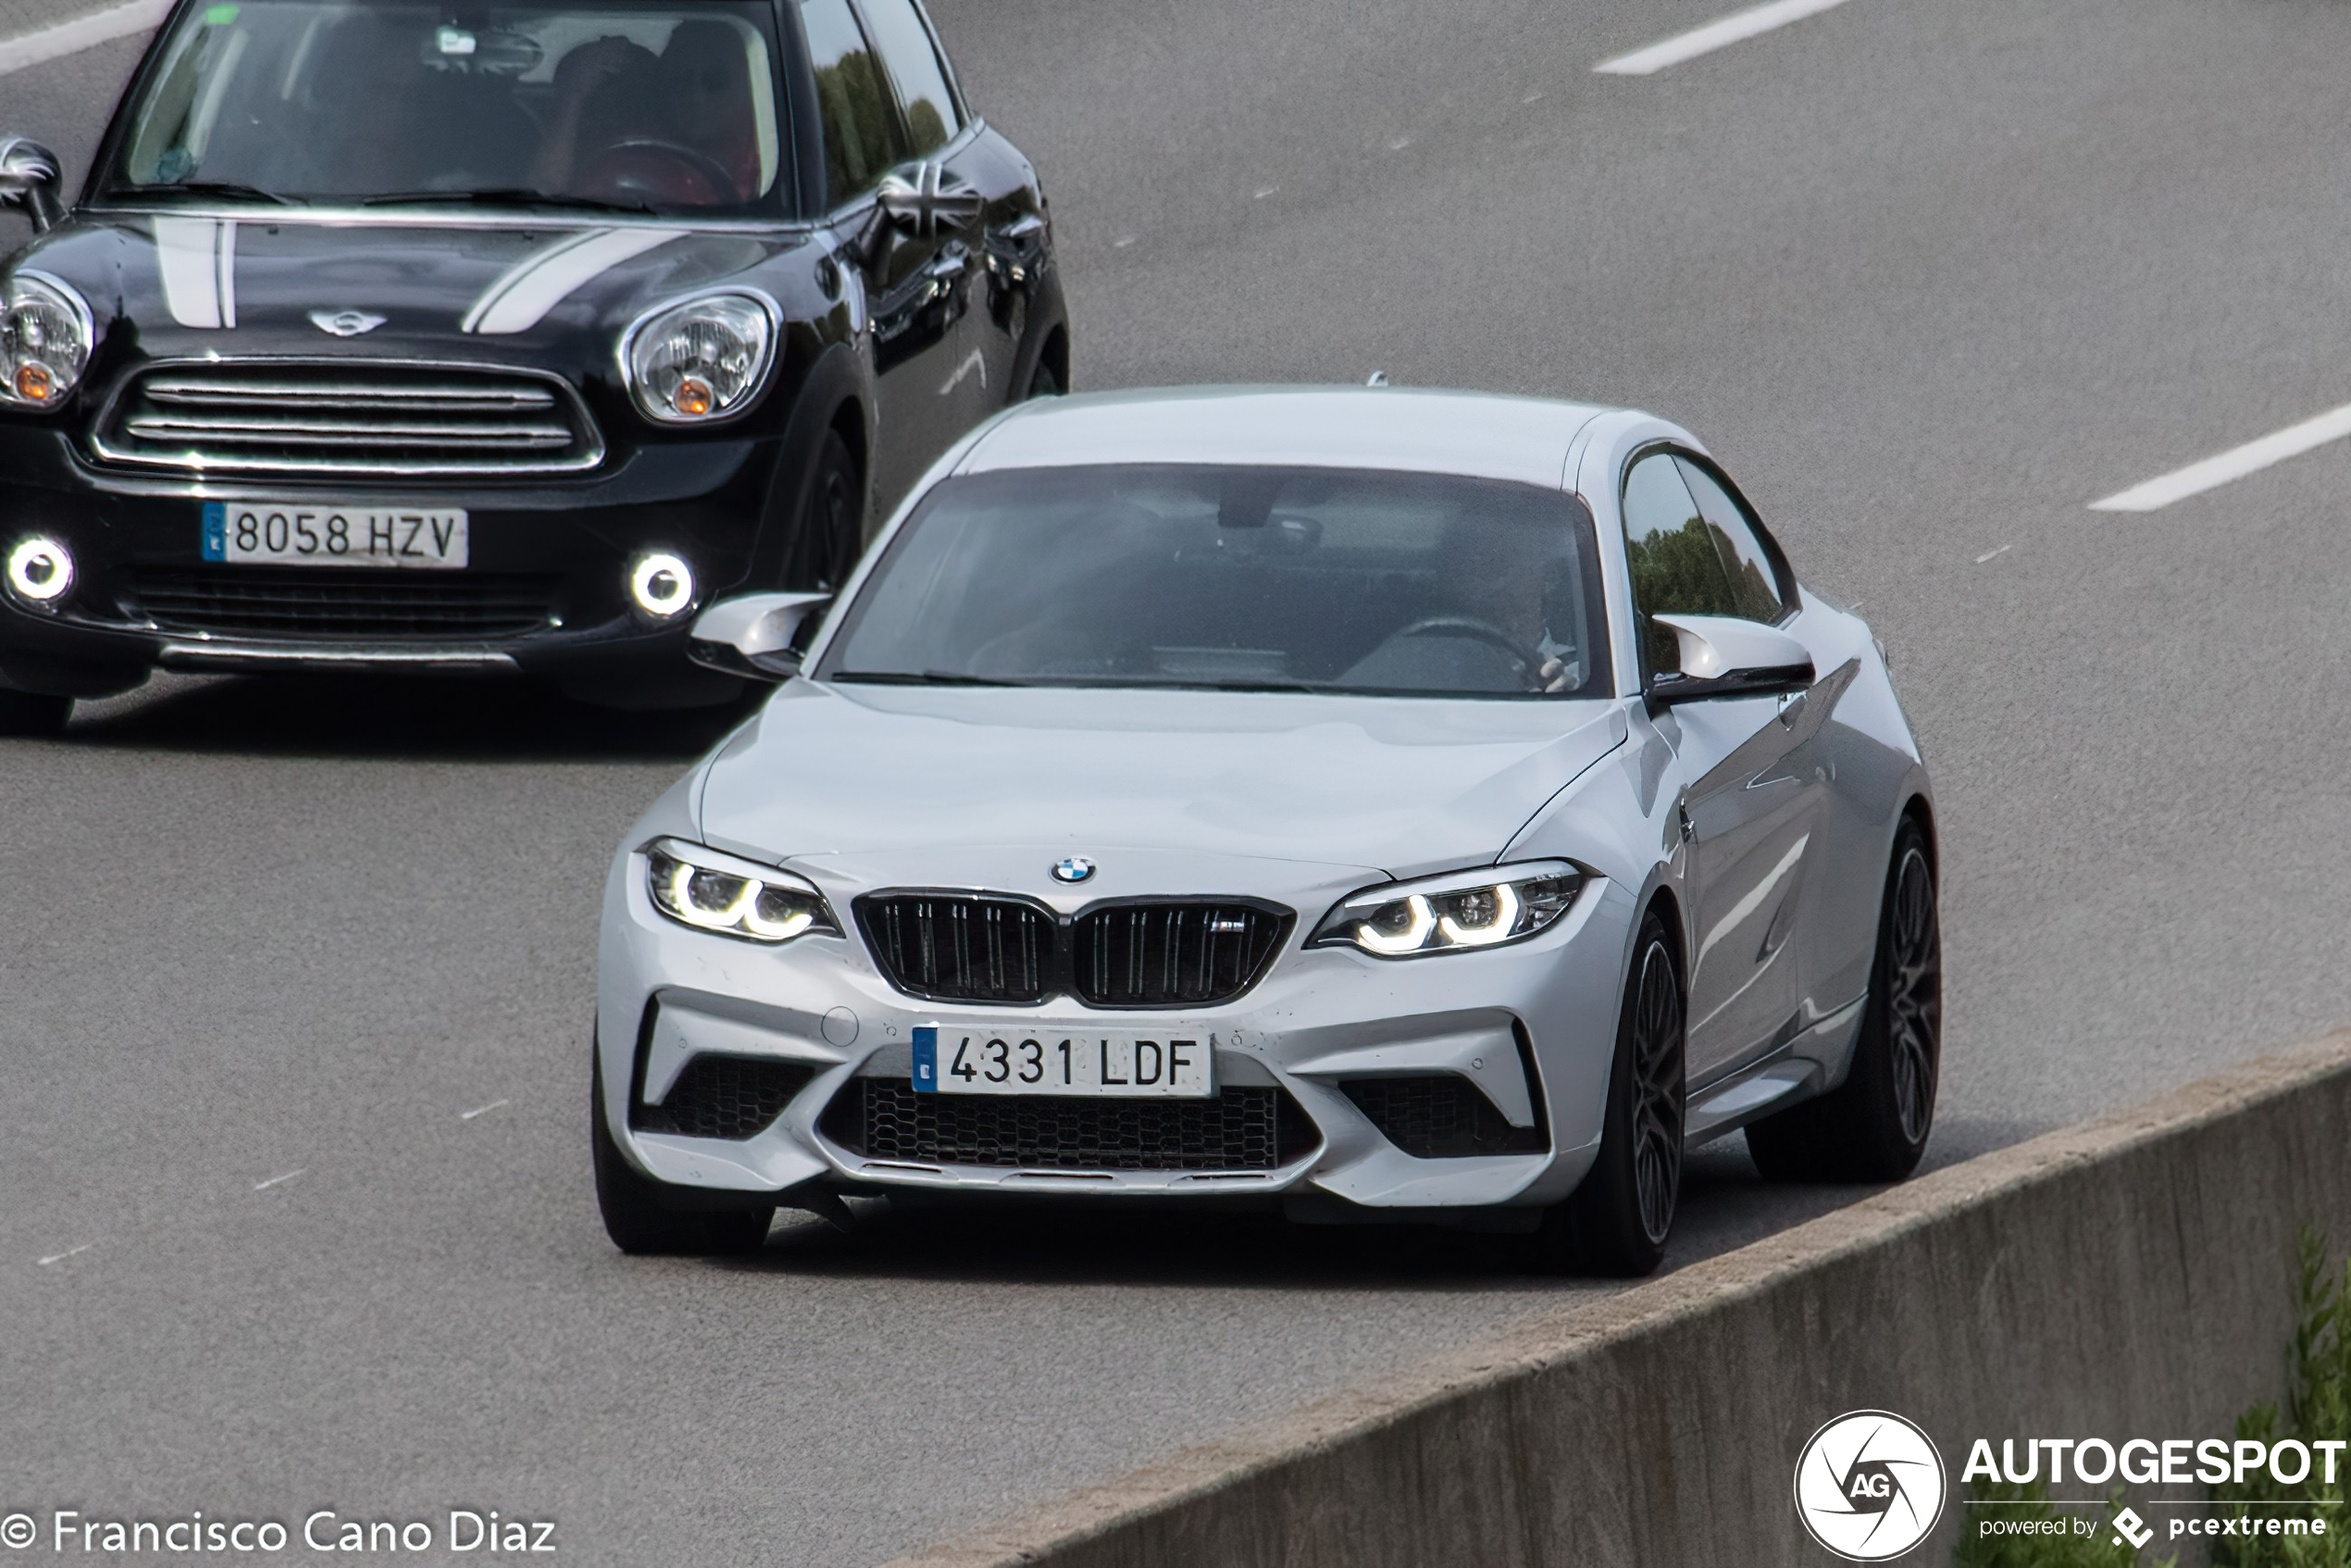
<point x="1617" y="1222"/>
<point x="1873" y="1126"/>
<point x="830" y="534"/>
<point x="640" y="1213"/>
<point x="32" y="712"/>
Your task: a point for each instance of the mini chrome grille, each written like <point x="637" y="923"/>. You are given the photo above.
<point x="1169" y="954"/>
<point x="347" y="417"/>
<point x="978" y="946"/>
<point x="1243" y="1129"/>
<point x="961" y="949"/>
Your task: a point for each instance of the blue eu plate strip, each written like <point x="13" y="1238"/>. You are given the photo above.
<point x="926" y="1061"/>
<point x="216" y="531"/>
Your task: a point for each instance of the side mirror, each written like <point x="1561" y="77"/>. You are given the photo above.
<point x="1723" y="656"/>
<point x="30" y="178"/>
<point x="925" y="198"/>
<point x="752" y="634"/>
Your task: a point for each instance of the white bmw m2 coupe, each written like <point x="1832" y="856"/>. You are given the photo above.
<point x="1404" y="805"/>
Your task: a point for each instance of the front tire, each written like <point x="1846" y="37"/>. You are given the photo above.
<point x="32" y="712"/>
<point x="829" y="535"/>
<point x="1616" y="1222"/>
<point x="636" y="1217"/>
<point x="1873" y="1126"/>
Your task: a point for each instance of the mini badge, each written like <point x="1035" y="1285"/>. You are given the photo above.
<point x="345" y="323"/>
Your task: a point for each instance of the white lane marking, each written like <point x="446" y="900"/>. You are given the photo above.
<point x="2233" y="463"/>
<point x="1264" y="191"/>
<point x="1122" y="242"/>
<point x="1532" y="96"/>
<point x="274" y="1180"/>
<point x="1397" y="143"/>
<point x="61" y="1257"/>
<point x="1989" y="553"/>
<point x="1737" y="26"/>
<point x="481" y="1109"/>
<point x="525" y="292"/>
<point x="972" y="362"/>
<point x="82" y="33"/>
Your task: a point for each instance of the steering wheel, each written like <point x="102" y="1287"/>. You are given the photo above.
<point x="1529" y="659"/>
<point x="665" y="172"/>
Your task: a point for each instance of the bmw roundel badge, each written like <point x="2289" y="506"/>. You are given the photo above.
<point x="1077" y="868"/>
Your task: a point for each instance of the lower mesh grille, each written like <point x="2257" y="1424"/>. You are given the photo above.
<point x="304" y="603"/>
<point x="1240" y="1130"/>
<point x="733" y="1097"/>
<point x="1440" y="1115"/>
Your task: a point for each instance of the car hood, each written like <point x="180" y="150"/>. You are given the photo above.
<point x="260" y="283"/>
<point x="1402" y="786"/>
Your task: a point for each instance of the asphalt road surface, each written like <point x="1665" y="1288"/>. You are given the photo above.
<point x="294" y="1200"/>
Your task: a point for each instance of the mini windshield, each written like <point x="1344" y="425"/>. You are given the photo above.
<point x="663" y="107"/>
<point x="1246" y="578"/>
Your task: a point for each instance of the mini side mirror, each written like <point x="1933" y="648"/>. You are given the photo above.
<point x="925" y="198"/>
<point x="30" y="179"/>
<point x="754" y="635"/>
<point x="1723" y="656"/>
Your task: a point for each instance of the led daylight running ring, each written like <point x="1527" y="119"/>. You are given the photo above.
<point x="1407" y="941"/>
<point x="743" y="913"/>
<point x="661" y="584"/>
<point x="39" y="570"/>
<point x="1499" y="929"/>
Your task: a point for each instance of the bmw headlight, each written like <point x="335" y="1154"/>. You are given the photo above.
<point x="1469" y="909"/>
<point x="704" y="359"/>
<point x="716" y="892"/>
<point x="44" y="341"/>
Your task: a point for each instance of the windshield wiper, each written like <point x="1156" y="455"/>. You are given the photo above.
<point x="506" y="196"/>
<point x="209" y="188"/>
<point x="919" y="678"/>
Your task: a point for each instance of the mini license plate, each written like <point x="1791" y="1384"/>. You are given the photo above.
<point x="953" y="1058"/>
<point x="308" y="533"/>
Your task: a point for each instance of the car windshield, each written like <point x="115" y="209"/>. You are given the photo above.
<point x="1250" y="578"/>
<point x="658" y="106"/>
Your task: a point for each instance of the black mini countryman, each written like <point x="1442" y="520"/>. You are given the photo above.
<point x="473" y="336"/>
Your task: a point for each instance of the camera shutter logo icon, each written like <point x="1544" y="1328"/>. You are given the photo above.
<point x="1869" y="1485"/>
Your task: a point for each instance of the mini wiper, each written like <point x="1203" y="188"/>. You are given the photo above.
<point x="506" y="196"/>
<point x="919" y="678"/>
<point x="209" y="188"/>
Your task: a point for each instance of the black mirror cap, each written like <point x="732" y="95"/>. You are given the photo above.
<point x="1671" y="690"/>
<point x="30" y="179"/>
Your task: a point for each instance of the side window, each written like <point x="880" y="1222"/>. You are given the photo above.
<point x="1676" y="568"/>
<point x="1755" y="582"/>
<point x="907" y="49"/>
<point x="861" y="132"/>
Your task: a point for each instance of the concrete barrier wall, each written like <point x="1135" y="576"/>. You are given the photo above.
<point x="2129" y="1277"/>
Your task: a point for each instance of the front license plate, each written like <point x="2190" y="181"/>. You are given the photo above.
<point x="953" y="1058"/>
<point x="308" y="533"/>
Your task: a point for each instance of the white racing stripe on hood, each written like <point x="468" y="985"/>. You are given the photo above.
<point x="525" y="292"/>
<point x="197" y="259"/>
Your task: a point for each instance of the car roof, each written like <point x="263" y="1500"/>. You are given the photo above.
<point x="1485" y="434"/>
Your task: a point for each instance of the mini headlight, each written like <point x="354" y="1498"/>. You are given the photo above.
<point x="1470" y="909"/>
<point x="716" y="892"/>
<point x="44" y="341"/>
<point x="704" y="359"/>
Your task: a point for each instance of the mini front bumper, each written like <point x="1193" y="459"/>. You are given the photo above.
<point x="544" y="591"/>
<point x="1319" y="1017"/>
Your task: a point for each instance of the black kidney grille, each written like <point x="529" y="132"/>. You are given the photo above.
<point x="959" y="948"/>
<point x="1239" y="1130"/>
<point x="735" y="1097"/>
<point x="1169" y="954"/>
<point x="1440" y="1115"/>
